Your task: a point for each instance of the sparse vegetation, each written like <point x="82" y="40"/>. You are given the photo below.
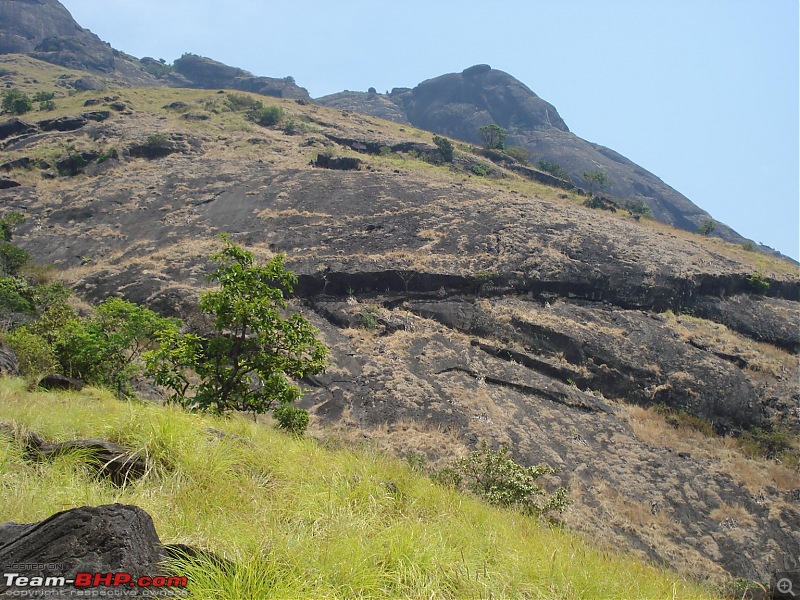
<point x="596" y="181"/>
<point x="554" y="169"/>
<point x="758" y="283"/>
<point x="519" y="154"/>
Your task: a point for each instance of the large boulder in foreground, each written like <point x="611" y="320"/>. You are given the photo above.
<point x="114" y="538"/>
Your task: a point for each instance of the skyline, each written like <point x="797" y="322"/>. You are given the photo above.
<point x="702" y="94"/>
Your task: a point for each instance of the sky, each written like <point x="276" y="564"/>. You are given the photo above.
<point x="703" y="93"/>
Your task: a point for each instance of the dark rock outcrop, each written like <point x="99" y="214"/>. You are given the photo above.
<point x="105" y="539"/>
<point x="191" y="70"/>
<point x="8" y="361"/>
<point x="16" y="127"/>
<point x="6" y="183"/>
<point x="112" y="461"/>
<point x="338" y="163"/>
<point x="56" y="381"/>
<point x="63" y="124"/>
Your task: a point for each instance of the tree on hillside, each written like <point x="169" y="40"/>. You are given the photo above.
<point x="494" y="136"/>
<point x="11" y="257"/>
<point x="16" y="102"/>
<point x="596" y="180"/>
<point x="706" y="227"/>
<point x="253" y="348"/>
<point x="106" y="348"/>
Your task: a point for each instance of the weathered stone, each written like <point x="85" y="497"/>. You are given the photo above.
<point x="19" y="163"/>
<point x="8" y="361"/>
<point x="63" y="124"/>
<point x="97" y="115"/>
<point x="56" y="381"/>
<point x="112" y="538"/>
<point x="112" y="461"/>
<point x="15" y="127"/>
<point x="338" y="163"/>
<point x="6" y="183"/>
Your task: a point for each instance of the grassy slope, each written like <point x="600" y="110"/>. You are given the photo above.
<point x="302" y="520"/>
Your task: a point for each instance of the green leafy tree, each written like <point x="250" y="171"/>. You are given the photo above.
<point x="253" y="349"/>
<point x="12" y="257"/>
<point x="596" y="180"/>
<point x="706" y="227"/>
<point x="445" y="147"/>
<point x="107" y="348"/>
<point x="17" y="102"/>
<point x="494" y="136"/>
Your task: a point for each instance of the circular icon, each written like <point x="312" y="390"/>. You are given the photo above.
<point x="785" y="586"/>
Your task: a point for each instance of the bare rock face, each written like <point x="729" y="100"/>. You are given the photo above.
<point x="102" y="539"/>
<point x="201" y="72"/>
<point x="45" y="29"/>
<point x="458" y="104"/>
<point x="8" y="361"/>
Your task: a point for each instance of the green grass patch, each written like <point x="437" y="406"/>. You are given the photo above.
<point x="300" y="520"/>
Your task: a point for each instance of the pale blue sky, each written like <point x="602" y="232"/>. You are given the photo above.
<point x="703" y="93"/>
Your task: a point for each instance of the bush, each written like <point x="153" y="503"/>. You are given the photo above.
<point x="771" y="443"/>
<point x="445" y="148"/>
<point x="636" y="207"/>
<point x="749" y="245"/>
<point x="106" y="349"/>
<point x="14" y="296"/>
<point x="706" y="227"/>
<point x="554" y="169"/>
<point x="238" y="102"/>
<point x="16" y="102"/>
<point x="291" y="418"/>
<point x="479" y="170"/>
<point x="494" y="476"/>
<point x="519" y="154"/>
<point x="757" y="283"/>
<point x="267" y="116"/>
<point x="34" y="354"/>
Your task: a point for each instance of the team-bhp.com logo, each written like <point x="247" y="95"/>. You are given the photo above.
<point x="94" y="580"/>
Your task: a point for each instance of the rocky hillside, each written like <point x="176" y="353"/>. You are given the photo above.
<point x="463" y="302"/>
<point x="45" y="30"/>
<point x="458" y="104"/>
